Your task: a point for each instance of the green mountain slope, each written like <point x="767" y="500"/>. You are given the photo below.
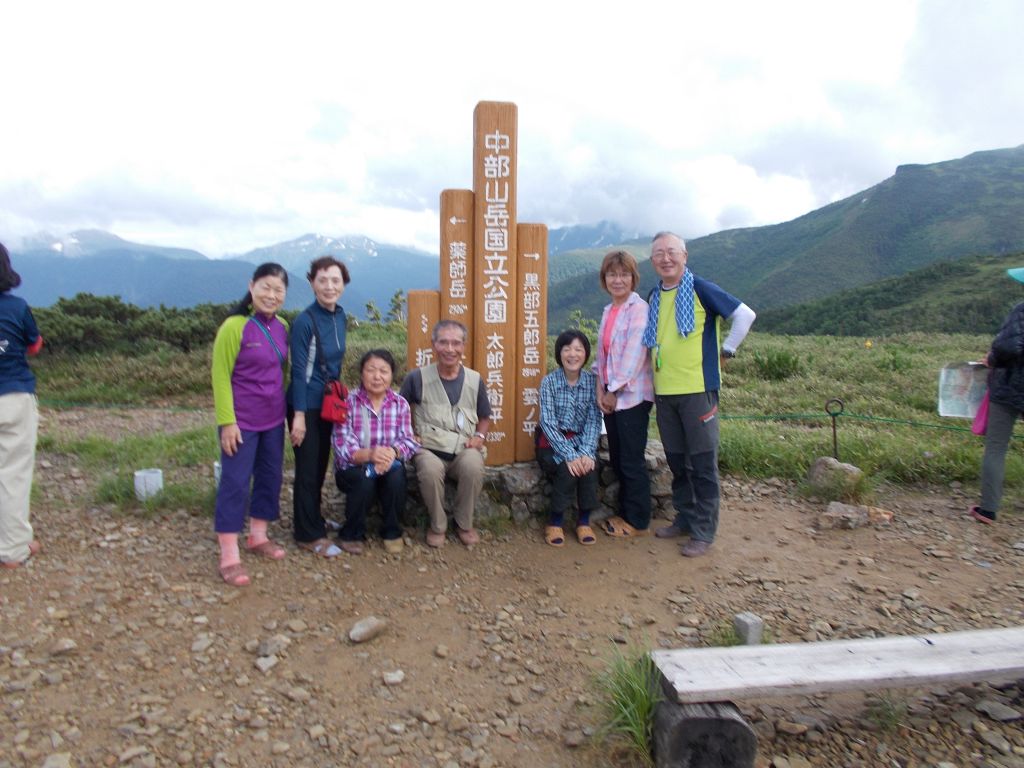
<point x="971" y="295"/>
<point x="922" y="214"/>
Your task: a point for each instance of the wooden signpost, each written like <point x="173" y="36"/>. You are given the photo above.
<point x="494" y="280"/>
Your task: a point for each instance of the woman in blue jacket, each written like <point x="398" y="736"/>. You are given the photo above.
<point x="318" y="348"/>
<point x="19" y="419"/>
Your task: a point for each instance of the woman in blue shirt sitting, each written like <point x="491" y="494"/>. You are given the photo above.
<point x="570" y="425"/>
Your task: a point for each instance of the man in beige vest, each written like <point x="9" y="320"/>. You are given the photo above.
<point x="451" y="415"/>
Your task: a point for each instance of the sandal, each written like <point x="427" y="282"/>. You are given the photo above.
<point x="352" y="547"/>
<point x="267" y="549"/>
<point x="585" y="535"/>
<point x="619" y="528"/>
<point x="320" y="547"/>
<point x="234" y="575"/>
<point x="554" y="535"/>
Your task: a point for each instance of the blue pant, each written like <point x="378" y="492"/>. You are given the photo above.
<point x="360" y="492"/>
<point x="257" y="462"/>
<point x="627" y="440"/>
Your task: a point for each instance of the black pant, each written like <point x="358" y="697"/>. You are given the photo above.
<point x="566" y="487"/>
<point x="360" y="492"/>
<point x="311" y="458"/>
<point x="627" y="440"/>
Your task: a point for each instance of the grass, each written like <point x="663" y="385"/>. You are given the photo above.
<point x="887" y="710"/>
<point x="114" y="462"/>
<point x="772" y="401"/>
<point x="890" y="427"/>
<point x="723" y="635"/>
<point x="629" y="691"/>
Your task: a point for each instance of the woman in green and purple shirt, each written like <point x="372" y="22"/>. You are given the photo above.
<point x="250" y="353"/>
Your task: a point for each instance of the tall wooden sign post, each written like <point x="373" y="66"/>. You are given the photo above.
<point x="494" y="280"/>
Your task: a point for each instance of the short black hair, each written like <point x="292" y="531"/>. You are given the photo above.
<point x="383" y="354"/>
<point x="568" y="337"/>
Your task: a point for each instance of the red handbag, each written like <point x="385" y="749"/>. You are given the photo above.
<point x="335" y="404"/>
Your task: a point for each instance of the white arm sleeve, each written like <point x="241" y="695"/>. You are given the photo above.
<point x="741" y="321"/>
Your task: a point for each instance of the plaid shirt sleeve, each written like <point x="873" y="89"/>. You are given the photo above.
<point x="346" y="436"/>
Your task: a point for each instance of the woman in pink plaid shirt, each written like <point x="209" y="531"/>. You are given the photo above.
<point x="369" y="450"/>
<point x="625" y="392"/>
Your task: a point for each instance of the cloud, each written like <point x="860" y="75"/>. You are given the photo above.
<point x="227" y="126"/>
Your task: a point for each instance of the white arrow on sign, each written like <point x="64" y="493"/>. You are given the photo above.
<point x="453" y="221"/>
<point x="534" y="256"/>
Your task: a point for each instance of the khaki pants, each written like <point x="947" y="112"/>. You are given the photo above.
<point x="19" y="420"/>
<point x="467" y="469"/>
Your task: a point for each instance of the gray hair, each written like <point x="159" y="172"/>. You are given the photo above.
<point x="668" y="233"/>
<point x="442" y="324"/>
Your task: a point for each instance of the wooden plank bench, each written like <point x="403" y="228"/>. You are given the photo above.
<point x="698" y="727"/>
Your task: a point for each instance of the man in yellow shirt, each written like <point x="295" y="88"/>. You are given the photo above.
<point x="683" y="332"/>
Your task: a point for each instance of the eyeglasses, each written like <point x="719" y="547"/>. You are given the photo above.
<point x="671" y="253"/>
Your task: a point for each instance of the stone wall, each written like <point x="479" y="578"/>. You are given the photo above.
<point x="519" y="492"/>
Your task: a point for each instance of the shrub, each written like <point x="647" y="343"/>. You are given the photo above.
<point x="776" y="364"/>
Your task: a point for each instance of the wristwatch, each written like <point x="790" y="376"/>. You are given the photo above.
<point x="481" y="435"/>
<point x="728" y="353"/>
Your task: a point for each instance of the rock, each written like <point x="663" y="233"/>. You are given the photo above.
<point x="997" y="710"/>
<point x="791" y="728"/>
<point x="573" y="738"/>
<point x="266" y="663"/>
<point x="879" y="517"/>
<point x="280" y="747"/>
<point x="842" y="516"/>
<point x="272" y="646"/>
<point x="749" y="628"/>
<point x="201" y="643"/>
<point x="58" y="760"/>
<point x="830" y="478"/>
<point x="441" y="651"/>
<point x="63" y="646"/>
<point x="394" y="678"/>
<point x="996" y="740"/>
<point x="299" y="695"/>
<point x="430" y="716"/>
<point x="366" y="629"/>
<point x="296" y="626"/>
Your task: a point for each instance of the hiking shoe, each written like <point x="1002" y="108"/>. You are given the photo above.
<point x="695" y="548"/>
<point x="983" y="516"/>
<point x="435" y="539"/>
<point x="394" y="546"/>
<point x="669" y="532"/>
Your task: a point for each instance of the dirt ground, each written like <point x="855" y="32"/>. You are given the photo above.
<point x="119" y="645"/>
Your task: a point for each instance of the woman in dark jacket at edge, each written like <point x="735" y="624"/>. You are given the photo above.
<point x="314" y="356"/>
<point x="1006" y="404"/>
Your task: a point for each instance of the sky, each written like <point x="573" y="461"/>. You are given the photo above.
<point x="224" y="126"/>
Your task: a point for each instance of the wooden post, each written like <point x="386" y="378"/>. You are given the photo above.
<point x="457" y="261"/>
<point x="494" y="234"/>
<point x="532" y="296"/>
<point x="424" y="312"/>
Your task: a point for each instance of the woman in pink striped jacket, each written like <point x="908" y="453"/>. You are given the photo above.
<point x="625" y="392"/>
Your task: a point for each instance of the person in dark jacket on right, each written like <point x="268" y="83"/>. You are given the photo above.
<point x="1006" y="404"/>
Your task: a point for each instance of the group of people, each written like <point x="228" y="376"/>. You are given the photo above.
<point x="665" y="350"/>
<point x="253" y="353"/>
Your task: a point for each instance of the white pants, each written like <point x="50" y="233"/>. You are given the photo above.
<point x="19" y="420"/>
